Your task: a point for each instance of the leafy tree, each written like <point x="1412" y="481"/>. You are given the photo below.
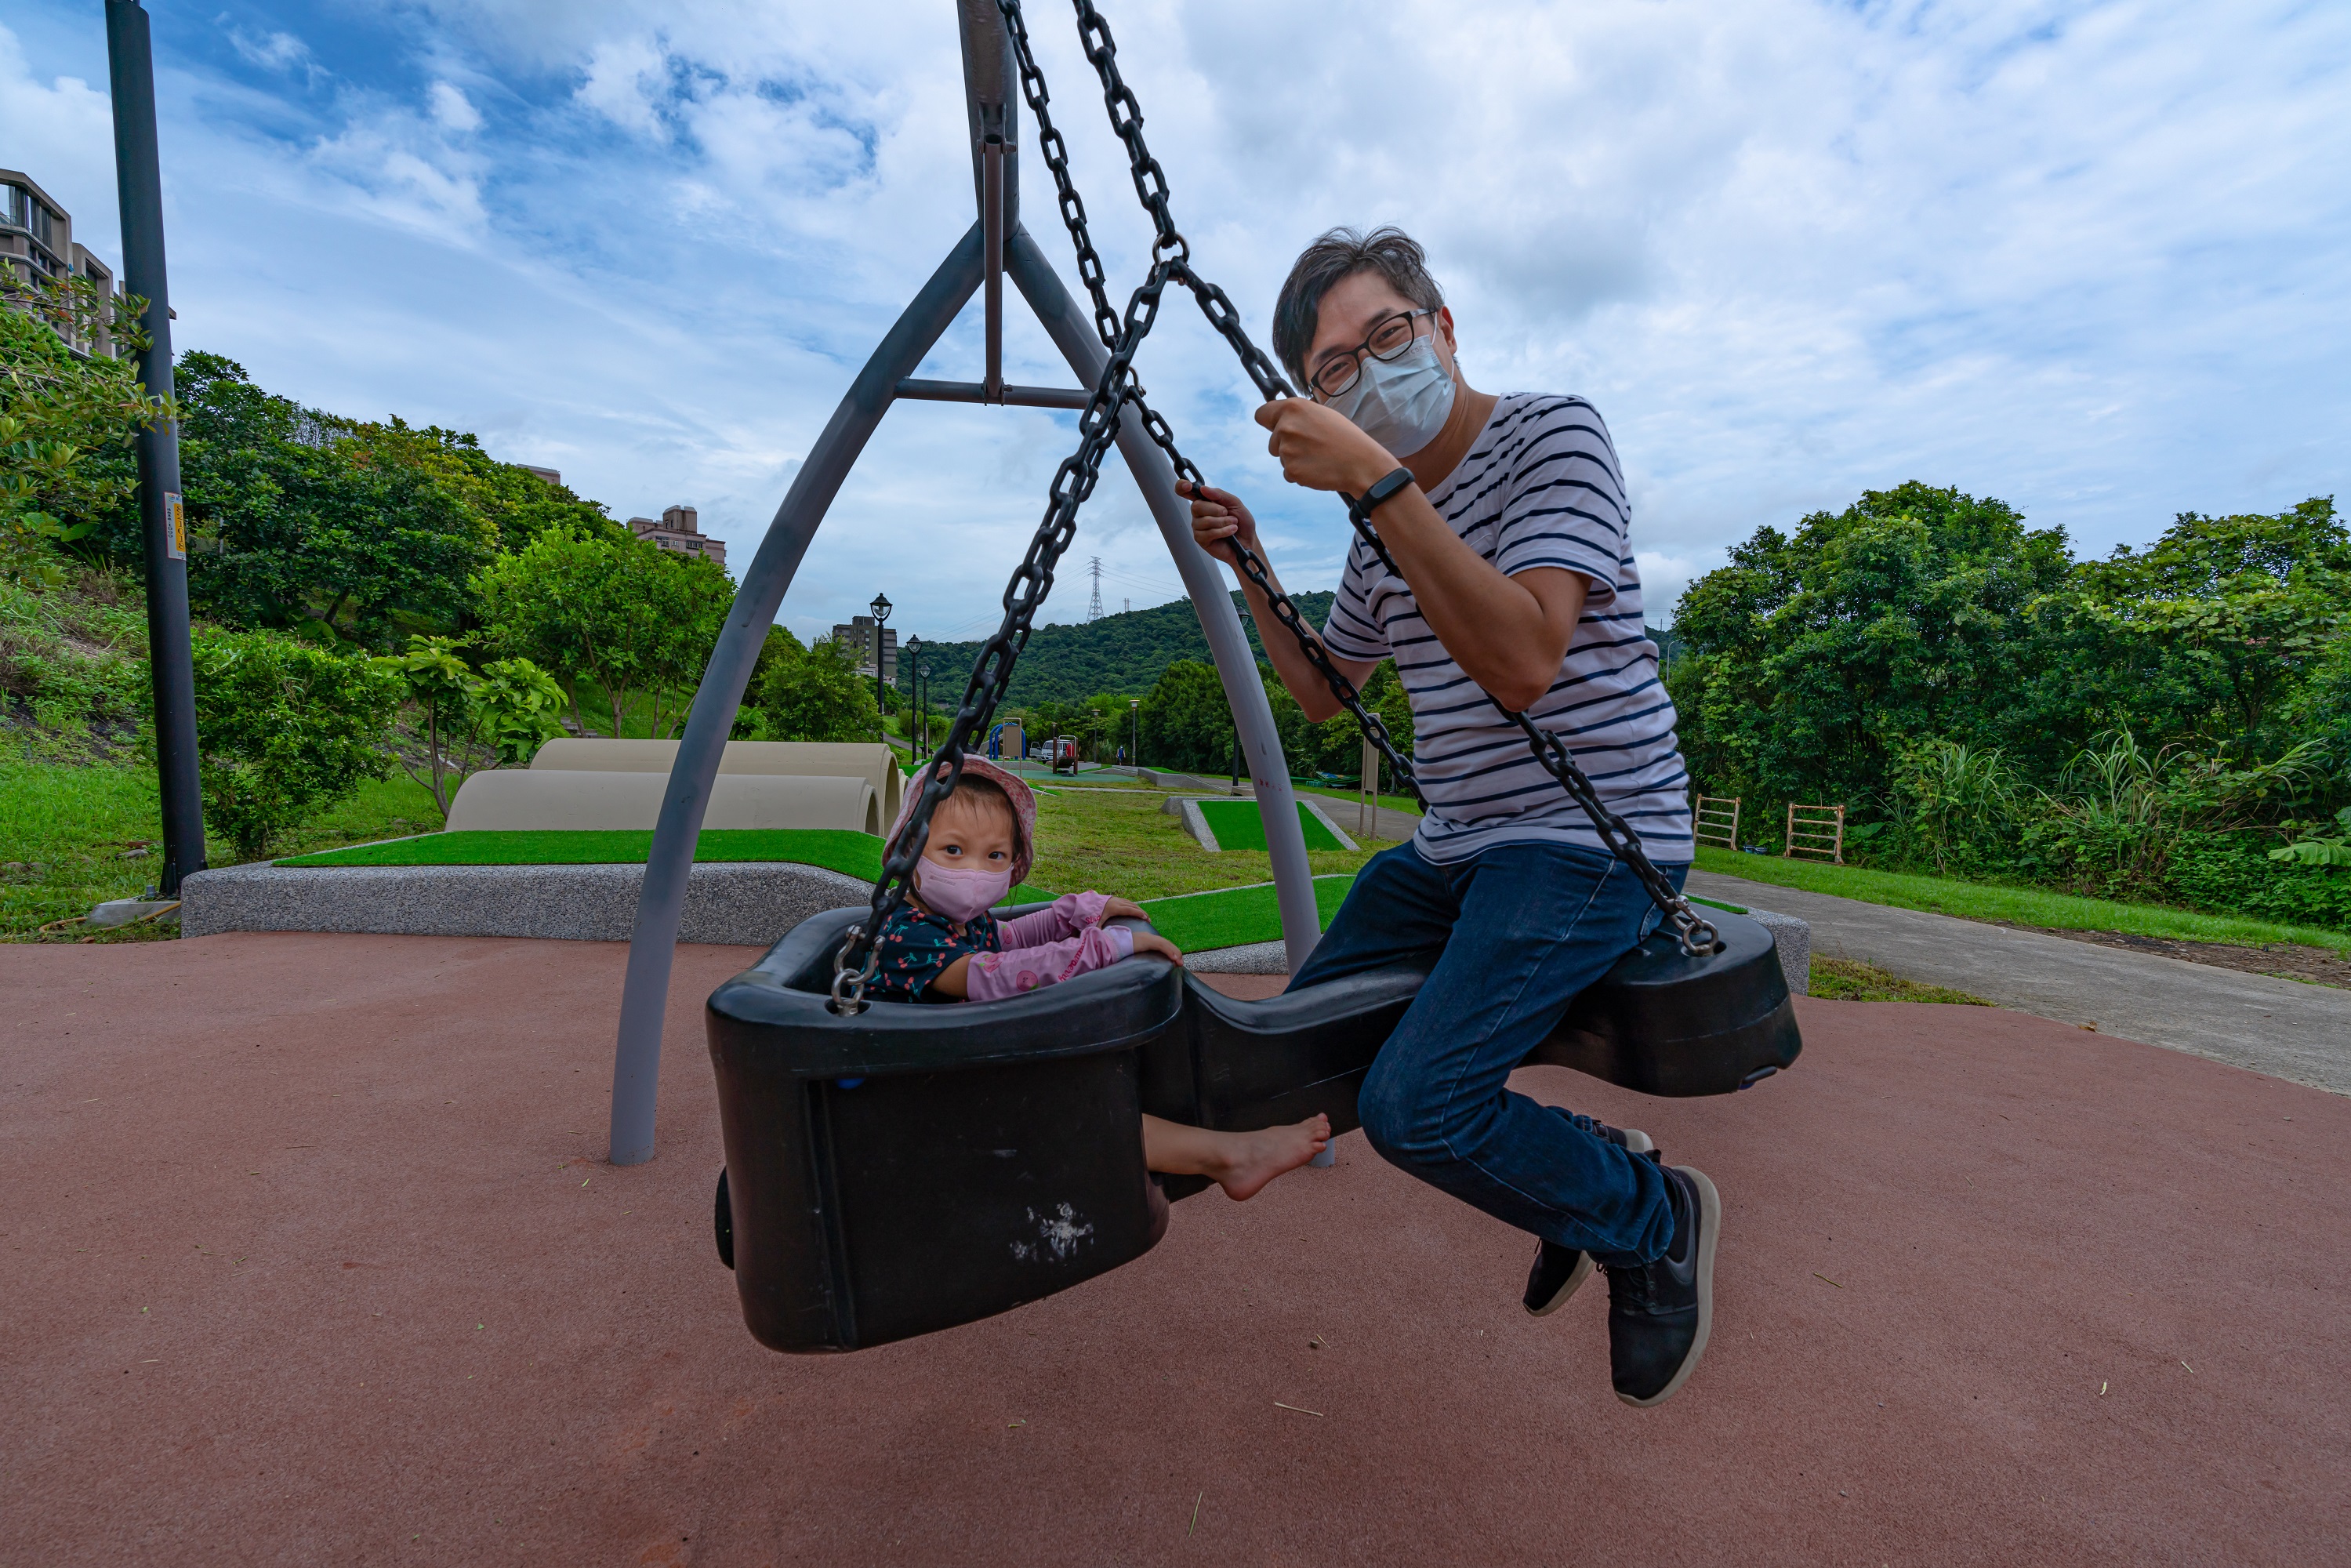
<point x="616" y="611"/>
<point x="2206" y="631"/>
<point x="816" y="694"/>
<point x="472" y="720"/>
<point x="1185" y="723"/>
<point x="284" y="729"/>
<point x="66" y="419"/>
<point x="1814" y="656"/>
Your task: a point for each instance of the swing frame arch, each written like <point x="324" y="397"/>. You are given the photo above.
<point x="996" y="246"/>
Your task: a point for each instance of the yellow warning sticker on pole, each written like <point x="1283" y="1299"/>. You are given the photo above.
<point x="175" y="521"/>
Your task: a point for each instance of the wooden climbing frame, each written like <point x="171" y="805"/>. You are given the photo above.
<point x="1716" y="821"/>
<point x="1815" y="830"/>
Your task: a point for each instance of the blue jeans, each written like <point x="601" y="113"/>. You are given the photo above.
<point x="1520" y="929"/>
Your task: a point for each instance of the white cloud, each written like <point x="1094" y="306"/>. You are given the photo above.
<point x="275" y="51"/>
<point x="451" y="109"/>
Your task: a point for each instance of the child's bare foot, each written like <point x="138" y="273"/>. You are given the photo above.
<point x="1258" y="1157"/>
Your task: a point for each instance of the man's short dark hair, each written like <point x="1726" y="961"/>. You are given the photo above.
<point x="1342" y="253"/>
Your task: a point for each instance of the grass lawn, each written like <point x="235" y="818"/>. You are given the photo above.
<point x="2018" y="905"/>
<point x="1238" y="825"/>
<point x="1846" y="980"/>
<point x="71" y="827"/>
<point x="1121" y="842"/>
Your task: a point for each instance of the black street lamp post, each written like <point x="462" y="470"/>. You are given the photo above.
<point x="918" y="730"/>
<point x="880" y="607"/>
<point x="1134" y="754"/>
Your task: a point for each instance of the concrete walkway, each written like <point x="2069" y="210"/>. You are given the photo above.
<point x="2279" y="1027"/>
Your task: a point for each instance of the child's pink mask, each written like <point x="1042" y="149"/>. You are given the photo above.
<point x="961" y="893"/>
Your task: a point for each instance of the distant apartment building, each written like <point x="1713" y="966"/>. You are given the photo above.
<point x="677" y="531"/>
<point x="857" y="636"/>
<point x="37" y="242"/>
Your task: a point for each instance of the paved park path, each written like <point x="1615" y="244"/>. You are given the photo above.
<point x="2283" y="1027"/>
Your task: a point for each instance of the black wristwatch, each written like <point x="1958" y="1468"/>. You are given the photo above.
<point x="1384" y="489"/>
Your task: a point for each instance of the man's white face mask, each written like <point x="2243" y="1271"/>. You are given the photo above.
<point x="1402" y="402"/>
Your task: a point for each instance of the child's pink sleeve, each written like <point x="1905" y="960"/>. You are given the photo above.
<point x="1071" y="915"/>
<point x="993" y="976"/>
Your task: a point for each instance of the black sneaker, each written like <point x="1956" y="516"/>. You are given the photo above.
<point x="1559" y="1270"/>
<point x="1659" y="1314"/>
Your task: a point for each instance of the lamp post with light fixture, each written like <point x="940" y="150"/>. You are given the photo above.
<point x="880" y="608"/>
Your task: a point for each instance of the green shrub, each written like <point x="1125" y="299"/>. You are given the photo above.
<point x="2233" y="872"/>
<point x="285" y="729"/>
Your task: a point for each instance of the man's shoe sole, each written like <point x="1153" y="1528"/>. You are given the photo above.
<point x="1637" y="1142"/>
<point x="1709" y="1230"/>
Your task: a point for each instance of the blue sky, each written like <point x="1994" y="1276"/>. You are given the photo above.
<point x="2093" y="260"/>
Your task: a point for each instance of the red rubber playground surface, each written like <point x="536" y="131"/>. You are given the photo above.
<point x="312" y="1258"/>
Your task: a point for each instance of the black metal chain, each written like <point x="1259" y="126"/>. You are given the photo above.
<point x="1150" y="186"/>
<point x="1619" y="835"/>
<point x="1073" y="483"/>
<point x="1218" y="307"/>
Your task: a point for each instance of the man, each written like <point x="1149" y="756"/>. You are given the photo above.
<point x="1508" y="526"/>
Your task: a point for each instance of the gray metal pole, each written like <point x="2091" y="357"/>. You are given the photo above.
<point x="139" y="185"/>
<point x="1073" y="334"/>
<point x="661" y="904"/>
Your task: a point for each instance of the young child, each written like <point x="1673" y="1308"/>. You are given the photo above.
<point x="943" y="945"/>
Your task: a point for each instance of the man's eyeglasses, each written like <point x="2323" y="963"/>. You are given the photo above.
<point x="1388" y="341"/>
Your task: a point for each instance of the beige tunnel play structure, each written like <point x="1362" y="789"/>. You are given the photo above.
<point x="606" y="785"/>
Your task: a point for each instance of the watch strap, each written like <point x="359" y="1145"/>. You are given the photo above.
<point x="1386" y="487"/>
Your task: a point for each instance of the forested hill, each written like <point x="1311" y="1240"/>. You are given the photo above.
<point x="1122" y="653"/>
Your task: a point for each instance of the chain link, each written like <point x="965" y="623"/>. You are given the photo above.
<point x="1073" y="483"/>
<point x="1151" y="185"/>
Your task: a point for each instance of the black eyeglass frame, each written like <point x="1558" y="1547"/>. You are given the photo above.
<point x="1354" y="358"/>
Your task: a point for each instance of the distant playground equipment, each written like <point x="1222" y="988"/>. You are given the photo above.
<point x="876" y="764"/>
<point x="1815" y="830"/>
<point x="893" y="1168"/>
<point x="617" y="784"/>
<point x="1715" y="818"/>
<point x="510" y="799"/>
<point x="1006" y="742"/>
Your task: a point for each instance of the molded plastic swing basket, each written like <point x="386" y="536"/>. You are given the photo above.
<point x="914" y="1167"/>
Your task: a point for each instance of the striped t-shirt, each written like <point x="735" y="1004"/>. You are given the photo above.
<point x="1539" y="489"/>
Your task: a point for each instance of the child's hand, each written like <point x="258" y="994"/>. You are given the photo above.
<point x="1152" y="942"/>
<point x="1124" y="909"/>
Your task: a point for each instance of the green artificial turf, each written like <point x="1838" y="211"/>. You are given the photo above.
<point x="1238" y="826"/>
<point x="1202" y="922"/>
<point x="2013" y="905"/>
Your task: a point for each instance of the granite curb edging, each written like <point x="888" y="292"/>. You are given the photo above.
<point x="749" y="904"/>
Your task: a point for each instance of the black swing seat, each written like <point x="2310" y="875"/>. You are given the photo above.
<point x="911" y="1168"/>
